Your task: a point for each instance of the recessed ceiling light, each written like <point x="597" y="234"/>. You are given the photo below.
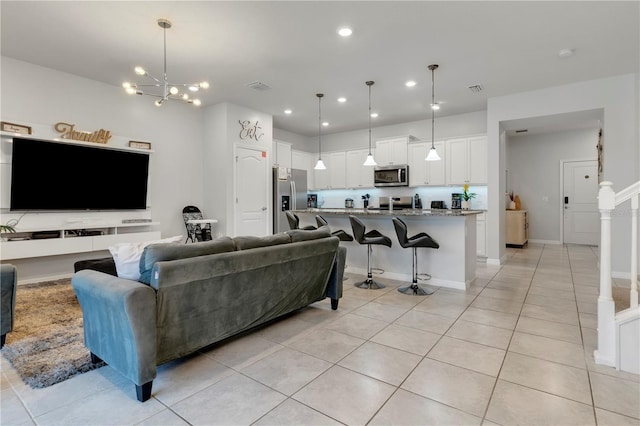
<point x="287" y="111"/>
<point x="342" y="100"/>
<point x="565" y="53"/>
<point x="345" y="31"/>
<point x="374" y="115"/>
<point x="410" y="83"/>
<point x="325" y="123"/>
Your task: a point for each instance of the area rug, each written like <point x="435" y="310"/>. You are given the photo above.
<point x="46" y="345"/>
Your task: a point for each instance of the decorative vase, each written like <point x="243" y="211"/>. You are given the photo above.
<point x="465" y="204"/>
<point x="512" y="205"/>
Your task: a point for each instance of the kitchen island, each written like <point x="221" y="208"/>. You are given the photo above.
<point x="453" y="265"/>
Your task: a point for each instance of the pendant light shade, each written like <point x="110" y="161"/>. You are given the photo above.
<point x="320" y="164"/>
<point x="370" y="160"/>
<point x="433" y="154"/>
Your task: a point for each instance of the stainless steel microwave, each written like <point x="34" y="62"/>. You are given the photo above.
<point x="397" y="175"/>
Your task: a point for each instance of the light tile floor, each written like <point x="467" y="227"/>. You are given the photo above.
<point x="516" y="348"/>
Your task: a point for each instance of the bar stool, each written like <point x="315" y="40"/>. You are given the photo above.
<point x="294" y="222"/>
<point x="368" y="238"/>
<point x="340" y="233"/>
<point x="418" y="240"/>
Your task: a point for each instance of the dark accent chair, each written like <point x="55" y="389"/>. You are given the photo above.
<point x="370" y="238"/>
<point x="9" y="285"/>
<point x="419" y="240"/>
<point x="294" y="222"/>
<point x="340" y="233"/>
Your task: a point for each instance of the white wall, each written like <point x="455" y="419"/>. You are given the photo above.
<point x="42" y="97"/>
<point x="533" y="173"/>
<point x="618" y="97"/>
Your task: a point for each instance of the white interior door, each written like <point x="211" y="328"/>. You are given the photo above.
<point x="252" y="192"/>
<point x="580" y="198"/>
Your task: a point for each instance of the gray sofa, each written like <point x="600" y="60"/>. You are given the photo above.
<point x="191" y="296"/>
<point x="9" y="283"/>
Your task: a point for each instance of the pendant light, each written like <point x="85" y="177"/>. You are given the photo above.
<point x="433" y="154"/>
<point x="369" y="161"/>
<point x="320" y="164"/>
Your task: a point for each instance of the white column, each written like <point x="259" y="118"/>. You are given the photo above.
<point x="634" y="252"/>
<point x="606" y="351"/>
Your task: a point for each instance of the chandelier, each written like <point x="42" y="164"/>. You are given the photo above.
<point x="165" y="90"/>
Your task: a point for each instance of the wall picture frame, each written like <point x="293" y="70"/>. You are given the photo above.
<point x="5" y="126"/>
<point x="140" y="144"/>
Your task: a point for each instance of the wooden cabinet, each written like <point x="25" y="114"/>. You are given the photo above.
<point x="282" y="157"/>
<point x="358" y="176"/>
<point x="423" y="172"/>
<point x="304" y="161"/>
<point x="391" y="151"/>
<point x="517" y="227"/>
<point x="334" y="177"/>
<point x="466" y="160"/>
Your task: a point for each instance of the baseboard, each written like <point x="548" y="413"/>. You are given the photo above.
<point x="545" y="241"/>
<point x="42" y="279"/>
<point x="622" y="275"/>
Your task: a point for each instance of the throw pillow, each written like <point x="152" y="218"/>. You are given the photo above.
<point x="304" y="235"/>
<point x="127" y="256"/>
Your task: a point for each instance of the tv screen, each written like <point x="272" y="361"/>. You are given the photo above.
<point x="66" y="176"/>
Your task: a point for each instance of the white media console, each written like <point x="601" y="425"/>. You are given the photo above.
<point x="73" y="238"/>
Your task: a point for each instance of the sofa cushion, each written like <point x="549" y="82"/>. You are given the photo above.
<point x="161" y="252"/>
<point x="249" y="242"/>
<point x="127" y="256"/>
<point x="303" y="235"/>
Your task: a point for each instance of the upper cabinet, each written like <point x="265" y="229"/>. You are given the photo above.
<point x="466" y="160"/>
<point x="391" y="151"/>
<point x="304" y="161"/>
<point x="358" y="176"/>
<point x="423" y="172"/>
<point x="282" y="157"/>
<point x="335" y="175"/>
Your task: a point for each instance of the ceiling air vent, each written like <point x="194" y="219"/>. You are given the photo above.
<point x="476" y="88"/>
<point x="522" y="131"/>
<point x="257" y="85"/>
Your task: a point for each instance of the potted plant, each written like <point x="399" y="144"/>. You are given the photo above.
<point x="466" y="197"/>
<point x="5" y="229"/>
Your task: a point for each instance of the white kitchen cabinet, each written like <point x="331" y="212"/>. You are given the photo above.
<point x="304" y="161"/>
<point x="282" y="157"/>
<point x="423" y="172"/>
<point x="358" y="176"/>
<point x="391" y="151"/>
<point x="466" y="160"/>
<point x="334" y="177"/>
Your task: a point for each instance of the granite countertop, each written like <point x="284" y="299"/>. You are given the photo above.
<point x="401" y="212"/>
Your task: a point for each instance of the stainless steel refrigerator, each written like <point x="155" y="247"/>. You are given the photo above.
<point x="289" y="193"/>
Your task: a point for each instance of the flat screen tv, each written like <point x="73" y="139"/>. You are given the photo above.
<point x="50" y="176"/>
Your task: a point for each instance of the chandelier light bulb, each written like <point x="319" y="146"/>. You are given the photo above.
<point x="204" y="85"/>
<point x="197" y="102"/>
<point x="193" y="88"/>
<point x="159" y="103"/>
<point x="173" y="90"/>
<point x="126" y="85"/>
<point x="140" y="71"/>
<point x="185" y="96"/>
<point x="131" y="90"/>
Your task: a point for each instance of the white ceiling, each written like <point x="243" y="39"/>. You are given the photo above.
<point x="292" y="46"/>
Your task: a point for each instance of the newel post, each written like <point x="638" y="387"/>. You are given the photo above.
<point x="606" y="351"/>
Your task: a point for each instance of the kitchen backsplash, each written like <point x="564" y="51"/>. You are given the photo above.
<point x="334" y="198"/>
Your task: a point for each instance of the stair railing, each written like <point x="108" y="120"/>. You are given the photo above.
<point x="608" y="200"/>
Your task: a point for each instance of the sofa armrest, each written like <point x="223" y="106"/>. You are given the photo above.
<point x="119" y="322"/>
<point x="9" y="282"/>
<point x="334" y="287"/>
